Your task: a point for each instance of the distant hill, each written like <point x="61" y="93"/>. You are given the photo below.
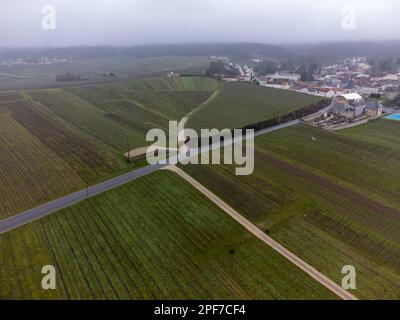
<point x="331" y="52"/>
<point x="240" y="50"/>
<point x="299" y="53"/>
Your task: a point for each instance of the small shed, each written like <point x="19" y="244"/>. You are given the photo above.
<point x="136" y="154"/>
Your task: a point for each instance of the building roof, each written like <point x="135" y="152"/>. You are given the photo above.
<point x="135" y="153"/>
<point x="351" y="96"/>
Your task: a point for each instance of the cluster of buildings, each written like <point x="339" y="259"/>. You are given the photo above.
<point x="349" y="76"/>
<point x="356" y="93"/>
<point x="245" y="73"/>
<point x="346" y="110"/>
<point x="354" y="75"/>
<point x="31" y="62"/>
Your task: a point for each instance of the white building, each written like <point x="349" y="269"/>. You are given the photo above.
<point x="284" y="76"/>
<point x="350" y="105"/>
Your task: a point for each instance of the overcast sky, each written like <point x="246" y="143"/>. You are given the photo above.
<point x="131" y="22"/>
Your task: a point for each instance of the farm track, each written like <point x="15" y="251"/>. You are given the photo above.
<point x="311" y="271"/>
<point x="30" y="215"/>
<point x="211" y="98"/>
<point x="332" y="186"/>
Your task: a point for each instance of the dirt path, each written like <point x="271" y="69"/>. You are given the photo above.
<point x="311" y="271"/>
<point x="327" y="184"/>
<point x="198" y="108"/>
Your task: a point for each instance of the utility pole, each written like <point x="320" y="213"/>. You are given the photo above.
<point x="129" y="149"/>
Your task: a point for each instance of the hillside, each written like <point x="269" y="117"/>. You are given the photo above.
<point x="241" y="104"/>
<point x="65" y="139"/>
<point x="316" y="192"/>
<point x="102" y="250"/>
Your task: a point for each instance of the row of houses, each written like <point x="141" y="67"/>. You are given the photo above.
<point x="353" y="106"/>
<point x="346" y="110"/>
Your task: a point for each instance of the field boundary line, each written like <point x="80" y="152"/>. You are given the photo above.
<point x="311" y="271"/>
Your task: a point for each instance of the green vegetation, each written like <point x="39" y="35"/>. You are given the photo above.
<point x="71" y="137"/>
<point x="328" y="229"/>
<point x="30" y="172"/>
<point x="360" y="158"/>
<point x="125" y="67"/>
<point x="9" y="96"/>
<point x="241" y="104"/>
<point x="170" y="98"/>
<point x="101" y="249"/>
<point x="84" y="130"/>
<point x="380" y="133"/>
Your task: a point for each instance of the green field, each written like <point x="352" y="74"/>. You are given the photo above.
<point x="101" y="249"/>
<point x="44" y="76"/>
<point x="361" y="158"/>
<point x="241" y="104"/>
<point x="325" y="228"/>
<point x="55" y="141"/>
<point x="111" y="114"/>
<point x="30" y="172"/>
<point x="81" y="132"/>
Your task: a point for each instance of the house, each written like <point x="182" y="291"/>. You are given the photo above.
<point x="284" y="76"/>
<point x="390" y="92"/>
<point x="230" y="79"/>
<point x="374" y="108"/>
<point x="349" y="105"/>
<point x="173" y="75"/>
<point x="369" y="90"/>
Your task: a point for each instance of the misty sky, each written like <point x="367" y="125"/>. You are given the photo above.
<point x="131" y="22"/>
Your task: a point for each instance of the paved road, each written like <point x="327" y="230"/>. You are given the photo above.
<point x="74" y="198"/>
<point x="310" y="270"/>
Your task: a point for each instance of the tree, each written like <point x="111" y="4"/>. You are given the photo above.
<point x="386" y="65"/>
<point x="307" y="71"/>
<point x="220" y="68"/>
<point x="216" y="67"/>
<point x="287" y="66"/>
<point x="267" y="67"/>
<point x="69" y="76"/>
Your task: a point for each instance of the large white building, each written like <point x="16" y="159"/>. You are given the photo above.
<point x="350" y="105"/>
<point x="284" y="76"/>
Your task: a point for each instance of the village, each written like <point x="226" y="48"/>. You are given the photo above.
<point x="357" y="94"/>
<point x="20" y="62"/>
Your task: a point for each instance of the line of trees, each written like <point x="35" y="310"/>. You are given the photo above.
<point x="69" y="76"/>
<point x="384" y="65"/>
<point x="219" y="67"/>
<point x="303" y="112"/>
